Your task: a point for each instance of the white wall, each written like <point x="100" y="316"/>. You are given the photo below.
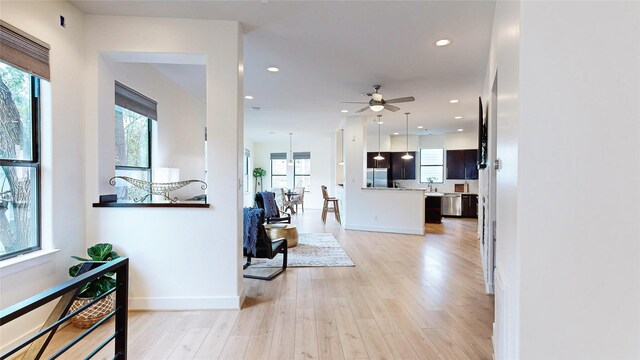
<point x="505" y="58"/>
<point x="62" y="151"/>
<point x="568" y="257"/>
<point x="180" y="125"/>
<point x="375" y="210"/>
<point x="322" y="165"/>
<point x="579" y="123"/>
<point x="178" y="239"/>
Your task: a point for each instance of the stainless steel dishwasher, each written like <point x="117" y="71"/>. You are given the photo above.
<point x="452" y="205"/>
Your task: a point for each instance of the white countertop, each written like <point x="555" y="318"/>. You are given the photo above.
<point x="393" y="189"/>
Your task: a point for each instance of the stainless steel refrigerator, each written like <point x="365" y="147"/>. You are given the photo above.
<point x="378" y="177"/>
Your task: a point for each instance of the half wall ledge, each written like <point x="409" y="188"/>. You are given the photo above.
<point x="150" y="205"/>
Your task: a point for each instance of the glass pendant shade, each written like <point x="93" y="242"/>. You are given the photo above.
<point x="376" y="107"/>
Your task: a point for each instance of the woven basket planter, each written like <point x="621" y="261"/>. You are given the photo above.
<point x="94" y="313"/>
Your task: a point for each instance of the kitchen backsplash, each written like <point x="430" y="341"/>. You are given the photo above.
<point x="446" y="187"/>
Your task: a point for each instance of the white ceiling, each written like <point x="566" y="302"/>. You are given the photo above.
<point x="332" y="51"/>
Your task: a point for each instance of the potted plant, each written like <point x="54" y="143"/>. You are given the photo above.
<point x="95" y="288"/>
<point x="258" y="173"/>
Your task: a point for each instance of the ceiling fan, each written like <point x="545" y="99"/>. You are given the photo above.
<point x="377" y="103"/>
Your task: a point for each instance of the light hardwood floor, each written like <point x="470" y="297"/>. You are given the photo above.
<point x="408" y="297"/>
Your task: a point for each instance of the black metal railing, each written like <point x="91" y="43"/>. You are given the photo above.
<point x="68" y="292"/>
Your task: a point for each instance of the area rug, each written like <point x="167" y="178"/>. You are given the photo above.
<point x="315" y="249"/>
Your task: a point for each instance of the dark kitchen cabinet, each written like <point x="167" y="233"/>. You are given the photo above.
<point x="461" y="164"/>
<point x="433" y="209"/>
<point x="402" y="169"/>
<point x="469" y="205"/>
<point x="373" y="163"/>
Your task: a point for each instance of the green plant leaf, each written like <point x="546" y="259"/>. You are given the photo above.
<point x="73" y="271"/>
<point x="99" y="252"/>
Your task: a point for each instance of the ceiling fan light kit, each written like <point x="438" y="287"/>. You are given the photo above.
<point x="378" y="103"/>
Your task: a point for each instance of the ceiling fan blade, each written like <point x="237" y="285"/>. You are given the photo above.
<point x="400" y="100"/>
<point x="391" y="107"/>
<point x="363" y="109"/>
<point x="354" y="102"/>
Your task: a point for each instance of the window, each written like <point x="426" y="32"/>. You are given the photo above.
<point x="247" y="157"/>
<point x="24" y="61"/>
<point x="302" y="169"/>
<point x="278" y="170"/>
<point x="19" y="162"/>
<point x="133" y="121"/>
<point x="432" y="165"/>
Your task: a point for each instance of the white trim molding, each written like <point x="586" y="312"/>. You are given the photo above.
<point x="26" y="261"/>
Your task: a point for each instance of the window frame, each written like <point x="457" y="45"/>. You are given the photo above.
<point x="279" y="157"/>
<point x="33" y="163"/>
<point x="147" y="168"/>
<point x="247" y="157"/>
<point x="301" y="156"/>
<point x="432" y="165"/>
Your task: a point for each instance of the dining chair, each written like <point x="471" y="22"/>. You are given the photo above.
<point x="286" y="204"/>
<point x="298" y="199"/>
<point x="326" y="208"/>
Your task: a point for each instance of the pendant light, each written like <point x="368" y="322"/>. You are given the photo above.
<point x="407" y="156"/>
<point x="341" y="147"/>
<point x="290" y="149"/>
<point x="379" y="157"/>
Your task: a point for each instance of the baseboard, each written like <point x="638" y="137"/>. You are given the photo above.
<point x="180" y="303"/>
<point x="386" y="229"/>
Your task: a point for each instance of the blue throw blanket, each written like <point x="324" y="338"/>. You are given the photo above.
<point x="270" y="206"/>
<point x="251" y="220"/>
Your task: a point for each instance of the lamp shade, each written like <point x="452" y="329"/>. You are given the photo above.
<point x="378" y="157"/>
<point x="407" y="156"/>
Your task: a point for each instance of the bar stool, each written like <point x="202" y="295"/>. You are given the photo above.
<point x="335" y="209"/>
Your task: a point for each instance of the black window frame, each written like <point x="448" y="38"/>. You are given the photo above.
<point x="149" y="133"/>
<point x="33" y="163"/>
<point x="277" y="156"/>
<point x="300" y="156"/>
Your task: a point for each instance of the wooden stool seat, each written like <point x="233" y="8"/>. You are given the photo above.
<point x="287" y="231"/>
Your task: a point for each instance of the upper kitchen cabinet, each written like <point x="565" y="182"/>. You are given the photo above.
<point x="403" y="169"/>
<point x="373" y="163"/>
<point x="461" y="164"/>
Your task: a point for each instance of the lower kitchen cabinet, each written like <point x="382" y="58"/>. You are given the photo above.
<point x="469" y="205"/>
<point x="433" y="209"/>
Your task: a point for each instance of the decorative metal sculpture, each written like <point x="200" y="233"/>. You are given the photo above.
<point x="161" y="189"/>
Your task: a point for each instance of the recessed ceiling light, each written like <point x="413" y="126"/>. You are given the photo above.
<point x="273" y="69"/>
<point x="249" y="97"/>
<point x="443" y="42"/>
<point x="395" y="133"/>
<point x="420" y="127"/>
<point x="460" y="129"/>
<point x="453" y="101"/>
<point x="344" y="111"/>
<point x="458" y="117"/>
